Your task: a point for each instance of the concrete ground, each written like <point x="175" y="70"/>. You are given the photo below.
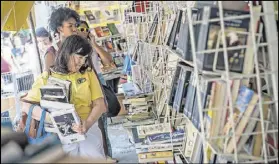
<point x="122" y="149"/>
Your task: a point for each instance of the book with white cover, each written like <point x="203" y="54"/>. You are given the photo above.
<point x="51" y="106"/>
<point x="154" y="148"/>
<point x="53" y="93"/>
<point x="56" y="94"/>
<point x="62" y="83"/>
<point x="63" y="120"/>
<point x="153" y="129"/>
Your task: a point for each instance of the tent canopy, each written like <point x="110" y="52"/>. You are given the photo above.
<point x="14" y="15"/>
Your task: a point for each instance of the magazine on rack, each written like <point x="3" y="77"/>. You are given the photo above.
<point x="63" y="120"/>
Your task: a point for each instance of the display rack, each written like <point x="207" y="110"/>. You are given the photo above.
<point x="157" y="62"/>
<point x="16" y="85"/>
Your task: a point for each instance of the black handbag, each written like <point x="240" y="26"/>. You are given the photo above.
<point x="112" y="102"/>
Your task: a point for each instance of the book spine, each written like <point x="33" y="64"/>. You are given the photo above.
<point x="203" y="33"/>
<point x="174" y="85"/>
<point x="192" y="102"/>
<point x="248" y="129"/>
<point x="178" y="91"/>
<point x="189" y="96"/>
<point x="176" y="38"/>
<point x="173" y="33"/>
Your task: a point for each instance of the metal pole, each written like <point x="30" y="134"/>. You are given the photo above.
<point x="31" y="24"/>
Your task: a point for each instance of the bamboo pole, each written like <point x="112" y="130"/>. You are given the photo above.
<point x="31" y="24"/>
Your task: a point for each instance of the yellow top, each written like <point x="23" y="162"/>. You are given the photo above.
<point x="82" y="93"/>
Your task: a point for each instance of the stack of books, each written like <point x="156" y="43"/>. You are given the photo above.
<point x="55" y="98"/>
<point x="140" y="111"/>
<point x="155" y="143"/>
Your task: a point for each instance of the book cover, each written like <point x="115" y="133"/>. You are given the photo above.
<point x="63" y="120"/>
<point x="184" y="43"/>
<point x="177" y="33"/>
<point x="89" y="15"/>
<point x="54" y="93"/>
<point x="182" y="85"/>
<point x="172" y="37"/>
<point x="257" y="146"/>
<point x="112" y="28"/>
<point x="62" y="83"/>
<point x="197" y="151"/>
<point x="155" y="156"/>
<point x="134" y="124"/>
<point x="210" y="38"/>
<point x="154" y="148"/>
<point x="51" y="106"/>
<point x="140" y="6"/>
<point x="218" y="106"/>
<point x="242" y="123"/>
<point x="245" y="95"/>
<point x="108" y="14"/>
<point x="174" y="85"/>
<point x="182" y="40"/>
<point x="190" y="99"/>
<point x="165" y="137"/>
<point x="106" y="31"/>
<point x="249" y="128"/>
<point x="170" y="24"/>
<point x="153" y="129"/>
<point x="206" y="87"/>
<point x="136" y="136"/>
<point x="99" y="32"/>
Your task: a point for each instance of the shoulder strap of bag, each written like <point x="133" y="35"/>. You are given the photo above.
<point x="29" y="118"/>
<point x="100" y="85"/>
<point x="41" y="125"/>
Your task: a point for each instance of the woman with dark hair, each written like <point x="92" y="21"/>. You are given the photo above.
<point x="86" y="94"/>
<point x="45" y="45"/>
<point x="64" y="22"/>
<point x="106" y="59"/>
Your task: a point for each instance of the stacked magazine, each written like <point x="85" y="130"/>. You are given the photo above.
<point x="55" y="98"/>
<point x="156" y="142"/>
<point x="140" y="111"/>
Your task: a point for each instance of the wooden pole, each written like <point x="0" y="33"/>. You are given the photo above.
<point x="31" y="23"/>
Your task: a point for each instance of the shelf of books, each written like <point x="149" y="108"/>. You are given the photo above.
<point x="204" y="82"/>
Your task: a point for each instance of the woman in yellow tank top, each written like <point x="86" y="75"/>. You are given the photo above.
<point x="86" y="94"/>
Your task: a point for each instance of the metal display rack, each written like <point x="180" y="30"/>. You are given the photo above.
<point x="157" y="62"/>
<point x="16" y="85"/>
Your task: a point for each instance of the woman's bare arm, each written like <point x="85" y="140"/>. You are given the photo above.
<point x="106" y="58"/>
<point x="49" y="60"/>
<point x="37" y="112"/>
<point x="98" y="109"/>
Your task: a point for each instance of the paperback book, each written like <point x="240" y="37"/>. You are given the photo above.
<point x="63" y="120"/>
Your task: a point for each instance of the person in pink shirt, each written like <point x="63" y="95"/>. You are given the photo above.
<point x="5" y="66"/>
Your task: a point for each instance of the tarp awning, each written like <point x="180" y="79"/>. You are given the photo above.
<point x="14" y="15"/>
